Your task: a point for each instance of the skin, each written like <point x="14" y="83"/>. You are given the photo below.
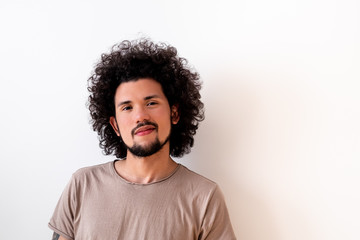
<point x="137" y="102"/>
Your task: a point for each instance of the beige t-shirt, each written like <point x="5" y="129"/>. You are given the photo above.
<point x="99" y="204"/>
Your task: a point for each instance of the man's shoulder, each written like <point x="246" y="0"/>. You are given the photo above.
<point x="195" y="179"/>
<point x="196" y="176"/>
<point x="95" y="170"/>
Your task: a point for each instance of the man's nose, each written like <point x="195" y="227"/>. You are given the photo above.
<point x="141" y="114"/>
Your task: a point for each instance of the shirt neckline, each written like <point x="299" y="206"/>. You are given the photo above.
<point x="112" y="166"/>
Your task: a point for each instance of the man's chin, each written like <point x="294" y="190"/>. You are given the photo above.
<point x="146" y="150"/>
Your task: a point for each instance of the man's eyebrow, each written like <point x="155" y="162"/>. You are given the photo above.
<point x="145" y="98"/>
<point x="150" y="97"/>
<point x="123" y="102"/>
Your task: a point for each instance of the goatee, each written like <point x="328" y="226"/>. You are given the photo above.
<point x="141" y="151"/>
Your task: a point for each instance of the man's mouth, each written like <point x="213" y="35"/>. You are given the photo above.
<point x="147" y="129"/>
<point x="144" y="128"/>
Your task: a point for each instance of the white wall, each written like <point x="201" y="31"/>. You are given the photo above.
<point x="281" y="88"/>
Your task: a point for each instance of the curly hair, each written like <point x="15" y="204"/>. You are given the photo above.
<point x="141" y="58"/>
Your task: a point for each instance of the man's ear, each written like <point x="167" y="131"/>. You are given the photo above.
<point x="114" y="125"/>
<point x="175" y="116"/>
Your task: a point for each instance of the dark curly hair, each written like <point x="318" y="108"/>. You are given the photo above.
<point x="141" y="58"/>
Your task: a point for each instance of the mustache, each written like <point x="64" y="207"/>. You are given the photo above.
<point x="143" y="124"/>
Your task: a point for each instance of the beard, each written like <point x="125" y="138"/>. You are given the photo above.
<point x="145" y="151"/>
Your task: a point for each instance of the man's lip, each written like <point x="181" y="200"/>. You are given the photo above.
<point x="144" y="129"/>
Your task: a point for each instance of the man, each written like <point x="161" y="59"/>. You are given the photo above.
<point x="145" y="105"/>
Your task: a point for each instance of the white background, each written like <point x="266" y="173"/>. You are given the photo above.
<point x="280" y="85"/>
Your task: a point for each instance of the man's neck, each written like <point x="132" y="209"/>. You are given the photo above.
<point x="146" y="169"/>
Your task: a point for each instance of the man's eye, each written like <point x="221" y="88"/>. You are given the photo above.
<point x="151" y="103"/>
<point x="126" y="108"/>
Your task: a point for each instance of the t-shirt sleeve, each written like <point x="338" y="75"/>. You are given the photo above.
<point x="62" y="221"/>
<point x="216" y="223"/>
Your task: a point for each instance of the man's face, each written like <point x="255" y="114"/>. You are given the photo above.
<point x="143" y="116"/>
